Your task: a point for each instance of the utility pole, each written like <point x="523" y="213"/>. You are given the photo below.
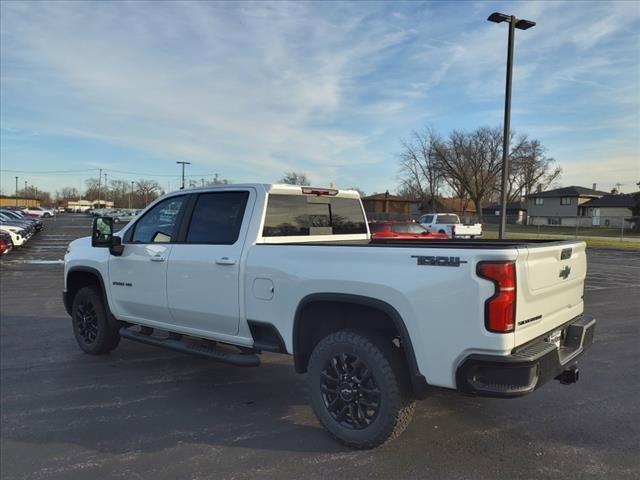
<point x="131" y="195"/>
<point x="521" y="24"/>
<point x="106" y="189"/>
<point x="99" y="181"/>
<point x="16" y="191"/>
<point x="183" y="164"/>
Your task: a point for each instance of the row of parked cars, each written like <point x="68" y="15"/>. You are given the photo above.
<point x="17" y="226"/>
<point x="123" y="215"/>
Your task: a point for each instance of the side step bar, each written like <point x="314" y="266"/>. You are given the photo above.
<point x="173" y="343"/>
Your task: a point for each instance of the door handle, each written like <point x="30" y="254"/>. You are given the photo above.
<point x="225" y="261"/>
<point x="157" y="258"/>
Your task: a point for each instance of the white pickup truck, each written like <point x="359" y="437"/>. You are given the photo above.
<point x="229" y="272"/>
<point x="450" y="224"/>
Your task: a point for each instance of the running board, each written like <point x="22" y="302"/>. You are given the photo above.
<point x="173" y="343"/>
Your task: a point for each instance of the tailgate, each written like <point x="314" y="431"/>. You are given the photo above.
<point x="550" y="288"/>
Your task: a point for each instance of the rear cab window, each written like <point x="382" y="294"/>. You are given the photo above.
<point x="446" y="219"/>
<point x="294" y="217"/>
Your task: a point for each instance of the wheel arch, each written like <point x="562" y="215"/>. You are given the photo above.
<point x="385" y="314"/>
<point x="79" y="277"/>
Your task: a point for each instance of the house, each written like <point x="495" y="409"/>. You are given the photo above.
<point x="609" y="211"/>
<point x="384" y="206"/>
<point x="559" y="206"/>
<point x="516" y="213"/>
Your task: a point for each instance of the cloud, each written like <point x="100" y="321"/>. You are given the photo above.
<point x="258" y="88"/>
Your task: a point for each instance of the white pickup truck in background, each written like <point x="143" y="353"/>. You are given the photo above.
<point x="231" y="271"/>
<point x="450" y="224"/>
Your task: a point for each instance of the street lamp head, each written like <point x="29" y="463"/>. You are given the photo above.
<point x="520" y="24"/>
<point x="498" y="17"/>
<point x="525" y="24"/>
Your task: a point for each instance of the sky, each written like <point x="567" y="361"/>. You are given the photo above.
<point x="252" y="90"/>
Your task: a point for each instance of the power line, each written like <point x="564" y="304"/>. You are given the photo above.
<point x="48" y="172"/>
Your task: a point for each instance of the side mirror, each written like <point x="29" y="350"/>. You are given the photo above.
<point x="102" y="232"/>
<point x="102" y="236"/>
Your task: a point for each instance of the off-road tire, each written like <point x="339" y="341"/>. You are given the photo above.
<point x="389" y="374"/>
<point x="95" y="333"/>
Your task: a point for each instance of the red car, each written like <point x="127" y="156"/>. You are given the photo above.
<point x="5" y="243"/>
<point x="403" y="231"/>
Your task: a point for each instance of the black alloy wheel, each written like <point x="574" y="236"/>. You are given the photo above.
<point x="349" y="391"/>
<point x="87" y="322"/>
<point x="95" y="330"/>
<point x="359" y="387"/>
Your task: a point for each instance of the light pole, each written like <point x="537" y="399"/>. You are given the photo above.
<point x="513" y="24"/>
<point x="131" y="195"/>
<point x="16" y="191"/>
<point x="183" y="164"/>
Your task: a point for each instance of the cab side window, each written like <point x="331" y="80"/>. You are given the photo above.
<point x="159" y="225"/>
<point x="217" y="218"/>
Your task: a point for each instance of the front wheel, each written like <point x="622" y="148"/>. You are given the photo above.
<point x="94" y="332"/>
<point x="359" y="388"/>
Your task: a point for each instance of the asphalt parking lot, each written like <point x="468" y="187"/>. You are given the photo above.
<point x="143" y="412"/>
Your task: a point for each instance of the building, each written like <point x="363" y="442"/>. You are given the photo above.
<point x="19" y="202"/>
<point x="609" y="211"/>
<point x="84" y="205"/>
<point x="384" y="206"/>
<point x="516" y="213"/>
<point x="559" y="206"/>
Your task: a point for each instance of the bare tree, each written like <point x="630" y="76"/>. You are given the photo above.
<point x="421" y="174"/>
<point x="148" y="190"/>
<point x="295" y="178"/>
<point x="471" y="161"/>
<point x="530" y="168"/>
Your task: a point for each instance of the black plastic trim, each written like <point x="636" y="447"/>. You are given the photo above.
<point x="172" y="343"/>
<point x="98" y="275"/>
<point x="418" y="381"/>
<point x="539" y="362"/>
<point x="477" y="243"/>
<point x="261" y="331"/>
<point x="66" y="300"/>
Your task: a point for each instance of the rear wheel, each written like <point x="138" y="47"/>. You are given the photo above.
<point x="359" y="388"/>
<point x="94" y="332"/>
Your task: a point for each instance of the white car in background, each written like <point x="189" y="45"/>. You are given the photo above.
<point x="450" y="224"/>
<point x="40" y="212"/>
<point x="17" y="234"/>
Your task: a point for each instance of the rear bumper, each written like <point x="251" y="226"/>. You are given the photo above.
<point x="528" y="367"/>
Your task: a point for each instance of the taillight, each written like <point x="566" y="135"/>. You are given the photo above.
<point x="500" y="309"/>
